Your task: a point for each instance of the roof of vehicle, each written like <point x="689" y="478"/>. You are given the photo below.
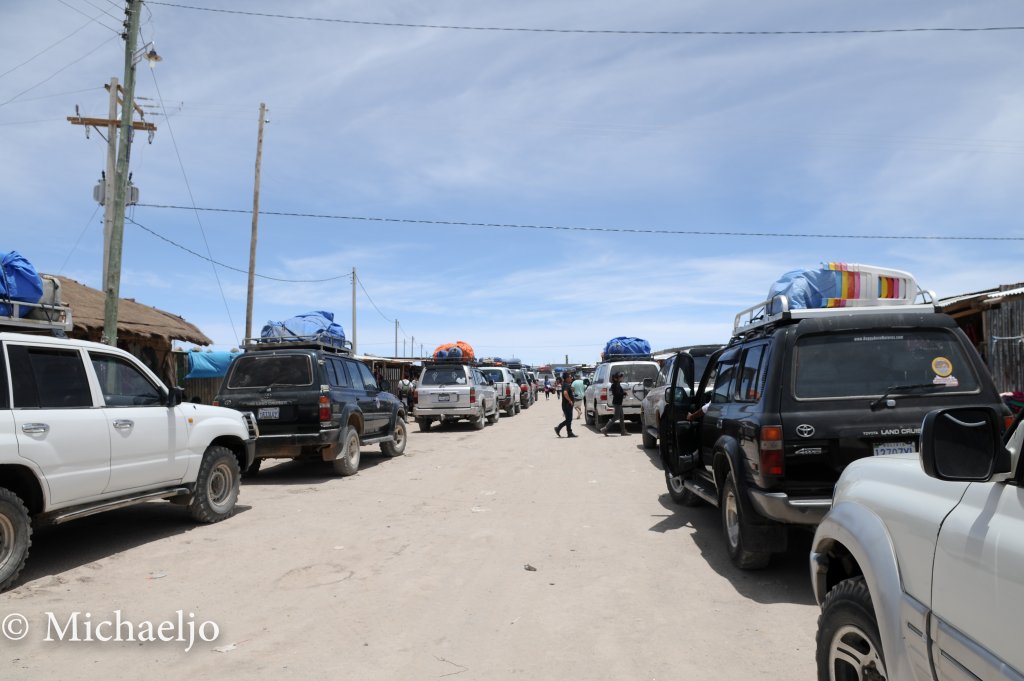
<point x="36" y="339"/>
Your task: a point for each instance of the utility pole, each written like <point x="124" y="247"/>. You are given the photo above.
<point x="353" y="310"/>
<point x="255" y="222"/>
<point x="112" y="285"/>
<point x="412" y="346"/>
<point x="108" y="178"/>
<point x="396" y="338"/>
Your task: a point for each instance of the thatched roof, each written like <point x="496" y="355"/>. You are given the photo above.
<point x="132" y="317"/>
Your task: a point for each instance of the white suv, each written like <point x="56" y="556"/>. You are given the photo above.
<point x="597" y="400"/>
<point x="86" y="428"/>
<point x="917" y="567"/>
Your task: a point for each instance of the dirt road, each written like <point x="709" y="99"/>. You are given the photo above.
<point x="416" y="569"/>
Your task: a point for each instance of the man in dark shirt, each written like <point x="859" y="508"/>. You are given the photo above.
<point x="617" y="395"/>
<point x="567" y="401"/>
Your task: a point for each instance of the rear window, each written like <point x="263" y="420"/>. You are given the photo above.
<point x="455" y="375"/>
<point x="495" y="375"/>
<point x="636" y="372"/>
<point x="260" y="371"/>
<point x="867" y="364"/>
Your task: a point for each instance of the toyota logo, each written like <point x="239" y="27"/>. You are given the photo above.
<point x="805" y="430"/>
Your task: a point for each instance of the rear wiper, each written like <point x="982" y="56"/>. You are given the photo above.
<point x="898" y="388"/>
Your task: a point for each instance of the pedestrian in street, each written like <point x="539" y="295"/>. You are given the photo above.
<point x="578" y="390"/>
<point x="405" y="391"/>
<point x="617" y="396"/>
<point x="547" y="388"/>
<point x="567" y="402"/>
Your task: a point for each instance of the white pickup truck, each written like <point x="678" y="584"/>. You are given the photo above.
<point x="918" y="565"/>
<point x="86" y="428"/>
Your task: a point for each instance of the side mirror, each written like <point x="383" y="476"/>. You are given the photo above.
<point x="648" y="383"/>
<point x="963" y="444"/>
<point x="175" y="396"/>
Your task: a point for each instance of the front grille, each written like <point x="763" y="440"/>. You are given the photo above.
<point x="250" y="424"/>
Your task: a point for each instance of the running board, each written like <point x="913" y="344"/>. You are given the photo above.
<point x="703" y="491"/>
<point x="377" y="440"/>
<point x="80" y="512"/>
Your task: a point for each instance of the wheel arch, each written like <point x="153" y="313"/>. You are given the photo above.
<point x="23" y="481"/>
<point x="237" y="447"/>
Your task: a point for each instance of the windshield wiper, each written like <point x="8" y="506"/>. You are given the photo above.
<point x="899" y="388"/>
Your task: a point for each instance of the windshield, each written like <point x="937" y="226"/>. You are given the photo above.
<point x="443" y="376"/>
<point x="260" y="371"/>
<point x="866" y="364"/>
<point x="635" y="373"/>
<point x="495" y="375"/>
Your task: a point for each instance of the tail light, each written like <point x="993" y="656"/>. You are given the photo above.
<point x="604" y="394"/>
<point x="415" y="396"/>
<point x="771" y="451"/>
<point x="1008" y="422"/>
<point x="216" y="403"/>
<point x="325" y="408"/>
<point x="508" y="391"/>
<point x="524" y="388"/>
<point x="472" y="395"/>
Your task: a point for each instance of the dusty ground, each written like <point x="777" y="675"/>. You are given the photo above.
<point x="414" y="569"/>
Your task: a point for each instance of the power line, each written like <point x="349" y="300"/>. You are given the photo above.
<point x="383" y="316"/>
<point x="229" y="267"/>
<point x="623" y="230"/>
<point x="63" y="68"/>
<point x="96" y="18"/>
<point x="44" y="51"/>
<point x="589" y="31"/>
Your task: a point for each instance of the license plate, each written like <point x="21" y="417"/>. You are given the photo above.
<point x="269" y="413"/>
<point x="887" y="448"/>
<point x="444" y="397"/>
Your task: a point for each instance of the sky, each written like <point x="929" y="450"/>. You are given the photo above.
<point x="722" y="153"/>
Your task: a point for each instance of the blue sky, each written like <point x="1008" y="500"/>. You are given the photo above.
<point x="900" y="134"/>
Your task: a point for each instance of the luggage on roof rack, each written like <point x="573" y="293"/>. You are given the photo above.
<point x="459" y="350"/>
<point x="315" y="329"/>
<point x="836" y="288"/>
<point x="626" y="347"/>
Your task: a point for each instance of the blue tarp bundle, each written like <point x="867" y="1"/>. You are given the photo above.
<point x="627" y="345"/>
<point x="806" y="289"/>
<point x="209" y="364"/>
<point x="18" y="281"/>
<point x="316" y="326"/>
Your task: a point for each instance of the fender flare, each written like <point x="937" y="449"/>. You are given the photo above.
<point x="347" y="412"/>
<point x="865" y="537"/>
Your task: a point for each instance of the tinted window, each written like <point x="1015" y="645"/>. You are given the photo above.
<point x="496" y="375"/>
<point x="354" y="377"/>
<point x="867" y="364"/>
<point x="338" y="376"/>
<point x="122" y="384"/>
<point x="48" y="379"/>
<point x="443" y="376"/>
<point x="636" y="372"/>
<point x="723" y="383"/>
<point x="260" y="371"/>
<point x="369" y="382"/>
<point x="665" y="373"/>
<point x="748" y="379"/>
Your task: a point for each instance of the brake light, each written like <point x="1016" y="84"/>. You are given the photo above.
<point x="771" y="452"/>
<point x="325" y="408"/>
<point x="1007" y="422"/>
<point x="604" y="394"/>
<point x="215" y="402"/>
<point x="472" y="395"/>
<point x="415" y="396"/>
<point x="508" y="391"/>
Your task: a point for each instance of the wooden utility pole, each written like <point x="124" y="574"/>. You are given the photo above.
<point x="396" y="338"/>
<point x="353" y="310"/>
<point x="255" y="222"/>
<point x="108" y="177"/>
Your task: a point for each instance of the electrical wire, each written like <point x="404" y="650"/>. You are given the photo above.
<point x="383" y="316"/>
<point x="622" y="230"/>
<point x="589" y="31"/>
<point x="115" y="18"/>
<point x="225" y="265"/>
<point x="44" y="51"/>
<point x="78" y="241"/>
<point x="63" y="68"/>
<point x="95" y="19"/>
<point x="59" y="94"/>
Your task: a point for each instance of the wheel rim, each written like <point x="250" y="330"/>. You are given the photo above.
<point x="852" y="655"/>
<point x="218" y="489"/>
<point x="732" y="519"/>
<point x="399" y="435"/>
<point x="352" y="448"/>
<point x="6" y="540"/>
<point x="675" y="482"/>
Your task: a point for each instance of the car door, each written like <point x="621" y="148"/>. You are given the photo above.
<point x="715" y="418"/>
<point x="375" y="411"/>
<point x="56" y="423"/>
<point x="977" y="589"/>
<point x="677" y="405"/>
<point x="148" y="440"/>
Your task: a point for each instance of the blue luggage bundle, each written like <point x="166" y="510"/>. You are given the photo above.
<point x="627" y="346"/>
<point x="19" y="281"/>
<point x="317" y="326"/>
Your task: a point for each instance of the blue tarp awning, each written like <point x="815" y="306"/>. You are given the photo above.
<point x="209" y="364"/>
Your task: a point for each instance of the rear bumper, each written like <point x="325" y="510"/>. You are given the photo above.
<point x="606" y="409"/>
<point x="451" y="412"/>
<point x="793" y="511"/>
<point x="289" y="445"/>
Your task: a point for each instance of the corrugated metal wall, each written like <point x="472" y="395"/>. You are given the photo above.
<point x="1005" y="333"/>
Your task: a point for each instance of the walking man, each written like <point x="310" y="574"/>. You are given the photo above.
<point x="617" y="396"/>
<point x="579" y="388"/>
<point x="405" y="391"/>
<point x="567" y="401"/>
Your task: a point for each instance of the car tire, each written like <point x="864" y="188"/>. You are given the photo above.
<point x="493" y="418"/>
<point x="734" y="528"/>
<point x="347" y="461"/>
<point x="598" y="420"/>
<point x="424" y="424"/>
<point x="675" y="483"/>
<point x="848" y="643"/>
<point x="253" y="470"/>
<point x="588" y="417"/>
<point x="401" y="435"/>
<point x="511" y="411"/>
<point x="15" y="537"/>
<point x="216" y="487"/>
<point x="649" y="441"/>
<point x="480" y="421"/>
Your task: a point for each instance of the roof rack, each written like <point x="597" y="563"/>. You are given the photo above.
<point x="776" y="309"/>
<point x="626" y="358"/>
<point x="454" y="360"/>
<point x="337" y="345"/>
<point x="37" y="317"/>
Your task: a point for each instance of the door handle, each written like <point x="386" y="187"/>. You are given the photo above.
<point x="35" y="428"/>
<point x="124" y="424"/>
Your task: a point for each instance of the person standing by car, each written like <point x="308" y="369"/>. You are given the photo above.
<point x="567" y="403"/>
<point x="617" y="396"/>
<point x="547" y="388"/>
<point x="405" y="390"/>
<point x="578" y="389"/>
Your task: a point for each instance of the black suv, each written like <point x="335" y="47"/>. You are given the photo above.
<point x="313" y="401"/>
<point x="796" y="396"/>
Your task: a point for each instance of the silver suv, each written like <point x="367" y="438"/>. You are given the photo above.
<point x="452" y="391"/>
<point x="597" y="400"/>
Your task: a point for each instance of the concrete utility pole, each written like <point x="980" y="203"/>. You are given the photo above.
<point x="353" y="310"/>
<point x="255" y="222"/>
<point x="108" y="178"/>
